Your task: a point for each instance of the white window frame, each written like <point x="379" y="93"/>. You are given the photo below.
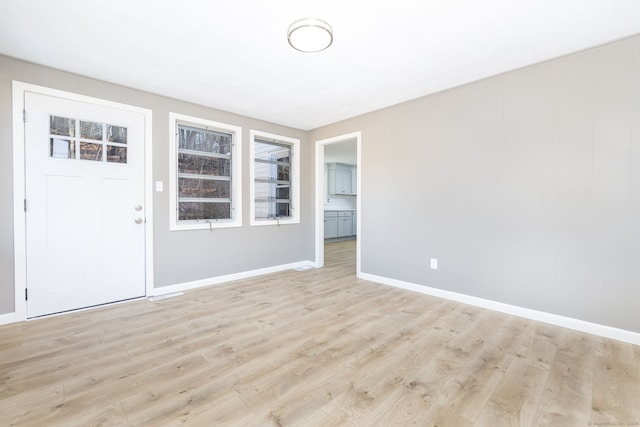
<point x="294" y="174"/>
<point x="236" y="174"/>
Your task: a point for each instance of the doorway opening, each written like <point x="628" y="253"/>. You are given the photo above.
<point x="338" y="195"/>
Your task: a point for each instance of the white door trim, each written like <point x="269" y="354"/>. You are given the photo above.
<point x="19" y="221"/>
<point x="319" y="238"/>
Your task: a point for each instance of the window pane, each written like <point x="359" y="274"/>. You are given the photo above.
<point x="263" y="191"/>
<point x="91" y="130"/>
<point x="272" y="179"/>
<point x="282" y="193"/>
<point x="200" y="165"/>
<point x="282" y="209"/>
<point x="271" y="208"/>
<point x="62" y="148"/>
<point x="262" y="210"/>
<point x="202" y="210"/>
<point x="265" y="171"/>
<point x="272" y="151"/>
<point x="283" y="173"/>
<point x="90" y="151"/>
<point x="116" y="154"/>
<point x="117" y="134"/>
<point x="204" y="140"/>
<point x="204" y="188"/>
<point x="62" y="126"/>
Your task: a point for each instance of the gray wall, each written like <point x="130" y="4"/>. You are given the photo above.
<point x="179" y="256"/>
<point x="525" y="186"/>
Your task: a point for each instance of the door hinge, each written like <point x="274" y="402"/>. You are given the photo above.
<point x="25" y="205"/>
<point x="26" y="294"/>
<point x="24" y="115"/>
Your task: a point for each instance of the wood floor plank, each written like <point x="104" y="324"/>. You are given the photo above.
<point x="515" y="400"/>
<point x="312" y="348"/>
<point x="616" y="384"/>
<point x="566" y="399"/>
<point x="469" y="391"/>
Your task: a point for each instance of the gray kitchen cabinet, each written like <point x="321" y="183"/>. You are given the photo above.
<point x="330" y="224"/>
<point x="345" y="223"/>
<point x="339" y="179"/>
<point x="354" y="224"/>
<point x="339" y="224"/>
<point x="354" y="183"/>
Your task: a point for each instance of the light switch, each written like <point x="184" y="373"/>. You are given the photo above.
<point x="159" y="186"/>
<point x="434" y="263"/>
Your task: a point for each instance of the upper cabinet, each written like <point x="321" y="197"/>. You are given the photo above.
<point x="340" y="179"/>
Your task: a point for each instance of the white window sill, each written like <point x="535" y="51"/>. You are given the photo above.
<point x="203" y="225"/>
<point x="275" y="222"/>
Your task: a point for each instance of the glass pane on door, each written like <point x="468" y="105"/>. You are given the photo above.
<point x="62" y="126"/>
<point x="117" y="134"/>
<point x="116" y="154"/>
<point x="90" y="151"/>
<point x="62" y="148"/>
<point x="91" y="130"/>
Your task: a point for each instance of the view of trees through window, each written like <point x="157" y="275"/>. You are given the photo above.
<point x="204" y="173"/>
<point x="272" y="179"/>
<point x="87" y="140"/>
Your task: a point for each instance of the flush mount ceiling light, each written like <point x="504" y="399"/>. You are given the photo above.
<point x="310" y="35"/>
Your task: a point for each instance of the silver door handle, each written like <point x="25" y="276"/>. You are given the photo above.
<point x="138" y="208"/>
<point x="138" y="220"/>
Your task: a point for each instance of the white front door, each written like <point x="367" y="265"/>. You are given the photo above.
<point x="84" y="186"/>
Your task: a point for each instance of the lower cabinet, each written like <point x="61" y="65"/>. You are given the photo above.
<point x="330" y="224"/>
<point x="339" y="224"/>
<point x="354" y="223"/>
<point x="345" y="223"/>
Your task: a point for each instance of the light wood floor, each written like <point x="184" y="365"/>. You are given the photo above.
<point x="311" y="348"/>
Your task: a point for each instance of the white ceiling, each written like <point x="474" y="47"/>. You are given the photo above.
<point x="234" y="55"/>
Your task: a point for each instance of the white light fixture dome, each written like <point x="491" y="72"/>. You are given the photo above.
<point x="310" y="35"/>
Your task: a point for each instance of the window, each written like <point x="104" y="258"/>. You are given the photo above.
<point x="205" y="174"/>
<point x="81" y="139"/>
<point x="275" y="179"/>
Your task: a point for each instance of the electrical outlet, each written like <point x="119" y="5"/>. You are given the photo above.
<point x="434" y="263"/>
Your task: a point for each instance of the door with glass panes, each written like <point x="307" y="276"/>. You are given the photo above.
<point x="84" y="179"/>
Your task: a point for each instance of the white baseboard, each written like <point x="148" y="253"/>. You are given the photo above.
<point x="540" y="316"/>
<point x="10" y="318"/>
<point x="179" y="287"/>
<point x="17" y="317"/>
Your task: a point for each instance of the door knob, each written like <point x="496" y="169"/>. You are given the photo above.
<point x="138" y="208"/>
<point x="138" y="220"/>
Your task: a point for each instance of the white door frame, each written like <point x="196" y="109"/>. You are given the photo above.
<point x="320" y="195"/>
<point x="19" y="193"/>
